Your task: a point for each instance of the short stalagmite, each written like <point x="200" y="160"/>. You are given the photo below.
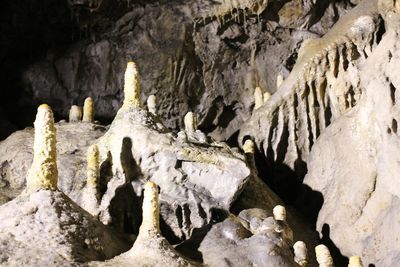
<point x="88" y="110"/>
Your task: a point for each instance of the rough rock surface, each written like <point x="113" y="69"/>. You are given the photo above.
<point x="194" y="178"/>
<point x="73" y="139"/>
<point x="354" y="163"/>
<point x="230" y="243"/>
<point x="209" y="67"/>
<point x="323" y="85"/>
<point x="48" y="228"/>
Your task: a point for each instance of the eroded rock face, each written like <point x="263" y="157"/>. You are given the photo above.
<point x="354" y="163"/>
<point x="323" y="85"/>
<point x="210" y="67"/>
<point x="73" y="139"/>
<point x="46" y="228"/>
<point x="195" y="179"/>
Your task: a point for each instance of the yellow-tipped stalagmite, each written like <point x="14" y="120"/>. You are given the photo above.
<point x="300" y="253"/>
<point x="152" y="104"/>
<point x="267" y="96"/>
<point x="75" y="114"/>
<point x="279" y="81"/>
<point x="324" y="257"/>
<point x="43" y="173"/>
<point x="190" y="121"/>
<point x="355" y="261"/>
<point x="93" y="167"/>
<point x="132" y="86"/>
<point x="258" y="98"/>
<point x="151" y="211"/>
<point x="88" y="110"/>
<point x="279" y="213"/>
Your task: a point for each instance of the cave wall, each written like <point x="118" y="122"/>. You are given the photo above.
<point x="193" y="55"/>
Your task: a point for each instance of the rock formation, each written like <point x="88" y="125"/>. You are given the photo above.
<point x="88" y="110"/>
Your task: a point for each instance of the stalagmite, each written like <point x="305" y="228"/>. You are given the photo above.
<point x="279" y="213"/>
<point x="152" y="104"/>
<point x="43" y="173"/>
<point x="300" y="253"/>
<point x="93" y="167"/>
<point x="132" y="86"/>
<point x="151" y="213"/>
<point x="355" y="261"/>
<point x="258" y="98"/>
<point x="324" y="257"/>
<point x="190" y="122"/>
<point x="88" y="110"/>
<point x="279" y="81"/>
<point x="75" y="114"/>
<point x="266" y="96"/>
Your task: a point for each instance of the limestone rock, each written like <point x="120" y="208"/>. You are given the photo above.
<point x="194" y="179"/>
<point x="47" y="228"/>
<point x="354" y="163"/>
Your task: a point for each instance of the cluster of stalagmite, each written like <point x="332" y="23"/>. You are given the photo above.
<point x="43" y="173"/>
<point x="132" y="86"/>
<point x="324" y="257"/>
<point x="75" y="113"/>
<point x="88" y="110"/>
<point x="151" y="211"/>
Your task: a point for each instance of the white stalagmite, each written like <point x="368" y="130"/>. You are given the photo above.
<point x="300" y="253"/>
<point x="43" y="173"/>
<point x="151" y="213"/>
<point x="324" y="257"/>
<point x="279" y="213"/>
<point x="355" y="261"/>
<point x="132" y="86"/>
<point x="152" y="104"/>
<point x="279" y="81"/>
<point x="75" y="114"/>
<point x="258" y="98"/>
<point x="190" y="121"/>
<point x="88" y="110"/>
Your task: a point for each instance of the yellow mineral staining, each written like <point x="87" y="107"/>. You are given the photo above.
<point x="152" y="104"/>
<point x="132" y="86"/>
<point x="88" y="110"/>
<point x="43" y="173"/>
<point x="279" y="81"/>
<point x="93" y="167"/>
<point x="151" y="211"/>
<point x="258" y="98"/>
<point x="355" y="261"/>
<point x="248" y="147"/>
<point x="192" y="154"/>
<point x="279" y="213"/>
<point x="324" y="257"/>
<point x="190" y="122"/>
<point x="75" y="114"/>
<point x="300" y="253"/>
